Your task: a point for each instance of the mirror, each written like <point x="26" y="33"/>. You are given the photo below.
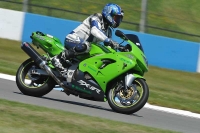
<point x="120" y="34"/>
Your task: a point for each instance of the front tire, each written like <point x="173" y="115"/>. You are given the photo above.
<point x="36" y="86"/>
<point x="131" y="102"/>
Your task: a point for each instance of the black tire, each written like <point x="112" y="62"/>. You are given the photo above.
<point x="47" y="83"/>
<point x="132" y="108"/>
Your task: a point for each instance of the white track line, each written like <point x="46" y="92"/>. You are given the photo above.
<point x="147" y="105"/>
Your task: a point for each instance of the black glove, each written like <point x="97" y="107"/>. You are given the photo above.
<point x="111" y="43"/>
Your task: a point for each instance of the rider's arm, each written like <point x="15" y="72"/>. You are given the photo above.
<point x="98" y="33"/>
<point x="96" y="29"/>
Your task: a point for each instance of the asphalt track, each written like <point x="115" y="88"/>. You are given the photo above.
<point x="147" y="116"/>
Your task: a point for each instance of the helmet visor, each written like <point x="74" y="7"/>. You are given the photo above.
<point x="118" y="19"/>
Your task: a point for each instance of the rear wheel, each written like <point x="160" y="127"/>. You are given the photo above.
<point x="130" y="100"/>
<point x="32" y="83"/>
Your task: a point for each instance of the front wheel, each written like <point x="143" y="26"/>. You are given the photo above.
<point x="129" y="100"/>
<point x="32" y="83"/>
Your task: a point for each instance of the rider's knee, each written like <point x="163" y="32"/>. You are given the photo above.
<point x="83" y="47"/>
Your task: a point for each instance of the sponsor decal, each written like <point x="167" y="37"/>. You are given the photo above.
<point x="92" y="68"/>
<point x="80" y="89"/>
<point x="126" y="61"/>
<point x="89" y="86"/>
<point x="50" y="36"/>
<point x="40" y="37"/>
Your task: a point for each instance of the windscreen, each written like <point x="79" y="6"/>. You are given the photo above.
<point x="135" y="40"/>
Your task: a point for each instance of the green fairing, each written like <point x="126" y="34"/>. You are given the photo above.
<point x="96" y="49"/>
<point x="92" y="61"/>
<point x="139" y="56"/>
<point x="113" y="70"/>
<point x="49" y="44"/>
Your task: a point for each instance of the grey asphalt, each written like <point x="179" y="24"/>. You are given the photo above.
<point x="59" y="100"/>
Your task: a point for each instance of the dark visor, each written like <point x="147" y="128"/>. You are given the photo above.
<point x="118" y="18"/>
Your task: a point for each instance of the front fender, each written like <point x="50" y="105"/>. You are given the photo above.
<point x="138" y="76"/>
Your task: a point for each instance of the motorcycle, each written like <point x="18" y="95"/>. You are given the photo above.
<point x="103" y="74"/>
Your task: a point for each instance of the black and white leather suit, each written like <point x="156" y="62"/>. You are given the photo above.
<point x="92" y="29"/>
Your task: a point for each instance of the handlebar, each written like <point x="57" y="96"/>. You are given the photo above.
<point x="117" y="46"/>
<point x="125" y="48"/>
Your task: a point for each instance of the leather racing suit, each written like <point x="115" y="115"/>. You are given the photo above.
<point x="92" y="29"/>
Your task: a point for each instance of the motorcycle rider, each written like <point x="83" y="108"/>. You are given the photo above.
<point x="95" y="28"/>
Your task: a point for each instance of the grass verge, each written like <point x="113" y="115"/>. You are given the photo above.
<point x="23" y="118"/>
<point x="168" y="88"/>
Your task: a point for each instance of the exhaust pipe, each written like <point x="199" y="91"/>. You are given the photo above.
<point x="29" y="50"/>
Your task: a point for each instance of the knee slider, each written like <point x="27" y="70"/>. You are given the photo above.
<point x="84" y="47"/>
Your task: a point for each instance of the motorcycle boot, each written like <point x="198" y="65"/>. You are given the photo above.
<point x="59" y="60"/>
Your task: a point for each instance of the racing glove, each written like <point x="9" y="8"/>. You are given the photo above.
<point x="111" y="43"/>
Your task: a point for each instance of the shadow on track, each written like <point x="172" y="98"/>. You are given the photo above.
<point x="77" y="103"/>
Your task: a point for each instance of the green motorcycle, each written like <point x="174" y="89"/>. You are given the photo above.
<point x="103" y="74"/>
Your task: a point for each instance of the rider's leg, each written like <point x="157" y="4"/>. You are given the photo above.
<point x="72" y="50"/>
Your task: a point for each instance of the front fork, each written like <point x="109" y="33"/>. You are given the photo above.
<point x="129" y="78"/>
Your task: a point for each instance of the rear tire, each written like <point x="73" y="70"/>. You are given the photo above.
<point x="37" y="88"/>
<point x="130" y="107"/>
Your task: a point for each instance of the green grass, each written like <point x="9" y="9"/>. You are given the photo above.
<point x="179" y="15"/>
<point x="174" y="89"/>
<point x="11" y="56"/>
<point x="168" y="88"/>
<point x="23" y="118"/>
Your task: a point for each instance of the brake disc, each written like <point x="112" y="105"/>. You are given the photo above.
<point x="129" y="96"/>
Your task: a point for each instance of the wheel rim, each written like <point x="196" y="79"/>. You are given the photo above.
<point x="130" y="98"/>
<point x="31" y="81"/>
